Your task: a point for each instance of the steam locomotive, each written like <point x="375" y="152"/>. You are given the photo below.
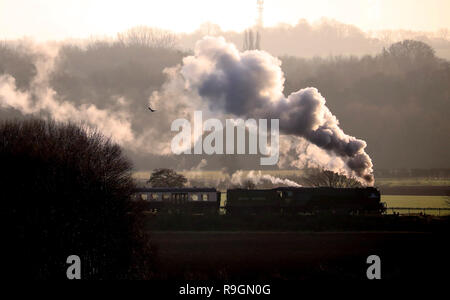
<point x="281" y="200"/>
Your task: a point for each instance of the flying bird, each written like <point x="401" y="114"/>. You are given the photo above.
<point x="152" y="110"/>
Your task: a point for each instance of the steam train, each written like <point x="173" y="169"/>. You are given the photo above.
<point x="281" y="200"/>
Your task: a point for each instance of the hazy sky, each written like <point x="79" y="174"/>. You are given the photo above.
<point x="56" y="19"/>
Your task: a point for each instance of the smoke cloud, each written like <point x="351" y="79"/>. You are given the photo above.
<point x="201" y="165"/>
<point x="239" y="178"/>
<point x="112" y="125"/>
<point x="250" y="84"/>
<point x="41" y="99"/>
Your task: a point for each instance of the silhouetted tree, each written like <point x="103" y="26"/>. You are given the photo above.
<point x="326" y="178"/>
<point x="166" y="178"/>
<point x="409" y="55"/>
<point x="66" y="190"/>
<point x="410" y="49"/>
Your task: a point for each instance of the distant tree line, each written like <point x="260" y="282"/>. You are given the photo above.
<point x="327" y="37"/>
<point x="145" y="36"/>
<point x="412" y="173"/>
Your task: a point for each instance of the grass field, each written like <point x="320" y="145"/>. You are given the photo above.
<point x="416" y="202"/>
<point x="412" y="182"/>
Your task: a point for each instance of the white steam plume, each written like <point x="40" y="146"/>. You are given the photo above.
<point x="41" y="98"/>
<point x="250" y="84"/>
<point x="201" y="165"/>
<point x="112" y="125"/>
<point x="239" y="178"/>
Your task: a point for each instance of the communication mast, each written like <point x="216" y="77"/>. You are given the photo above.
<point x="260" y="10"/>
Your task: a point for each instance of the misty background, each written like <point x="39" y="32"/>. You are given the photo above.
<point x="390" y="88"/>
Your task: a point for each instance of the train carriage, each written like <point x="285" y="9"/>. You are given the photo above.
<point x="179" y="200"/>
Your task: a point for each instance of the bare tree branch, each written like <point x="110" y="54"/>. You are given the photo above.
<point x="144" y="36"/>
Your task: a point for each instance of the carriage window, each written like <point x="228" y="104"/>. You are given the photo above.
<point x="154" y="196"/>
<point x="205" y="197"/>
<point x="289" y="193"/>
<point x="194" y="197"/>
<point x="143" y="196"/>
<point x="166" y="196"/>
<point x="179" y="197"/>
